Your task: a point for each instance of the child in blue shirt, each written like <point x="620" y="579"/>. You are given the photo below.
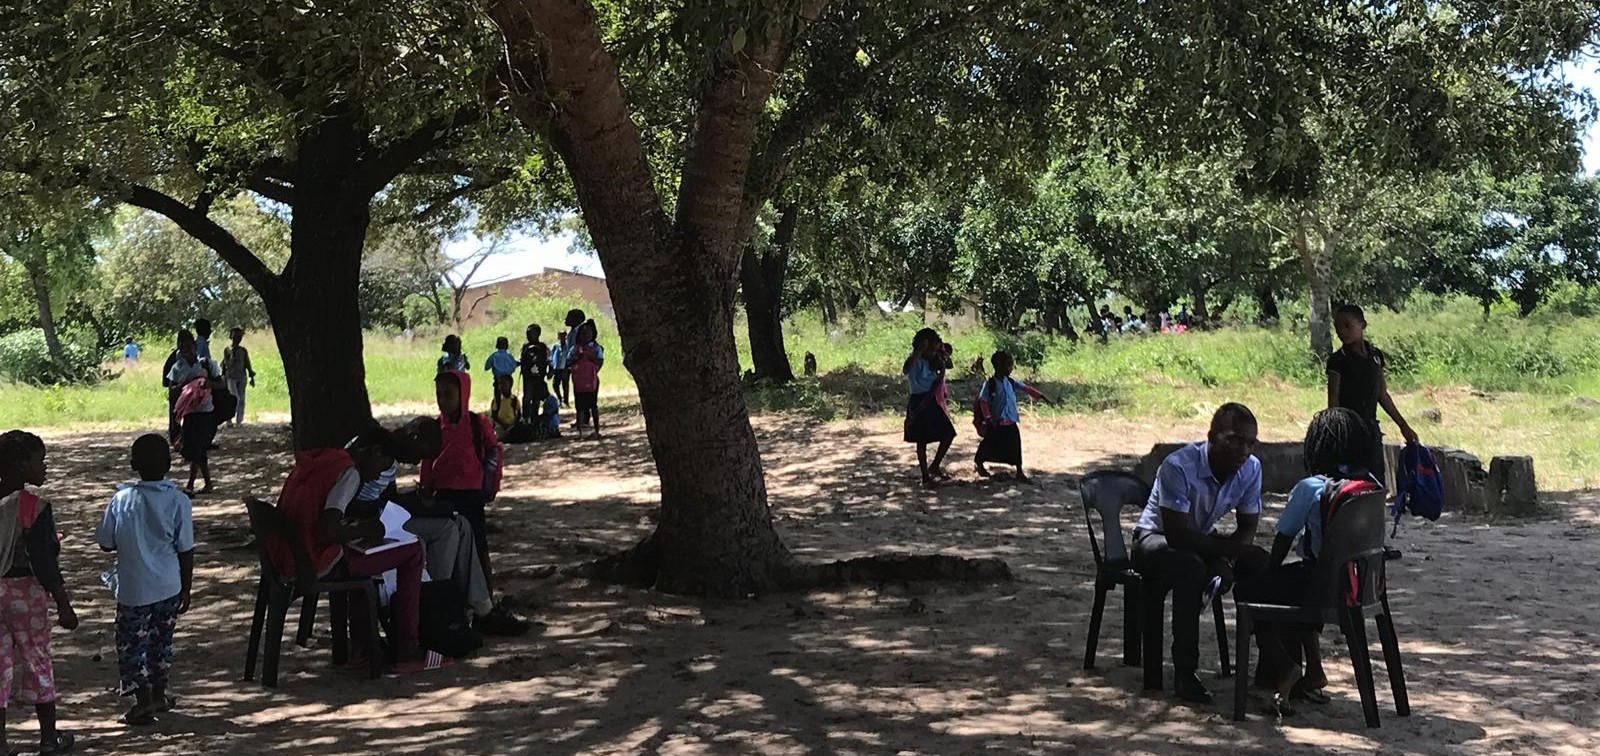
<point x="547" y="424"/>
<point x="997" y="417"/>
<point x="150" y="526"/>
<point x="1335" y="447"/>
<point x="501" y="363"/>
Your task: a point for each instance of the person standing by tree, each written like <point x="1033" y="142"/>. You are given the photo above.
<point x="535" y="364"/>
<point x="587" y="359"/>
<point x="237" y="371"/>
<point x="1357" y="380"/>
<point x="130" y="351"/>
<point x="927" y="417"/>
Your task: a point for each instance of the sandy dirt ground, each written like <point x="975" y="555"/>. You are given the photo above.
<point x="1497" y="624"/>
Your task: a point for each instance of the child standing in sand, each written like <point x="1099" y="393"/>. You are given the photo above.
<point x="237" y="371"/>
<point x="587" y="359"/>
<point x="997" y="417"/>
<point x="927" y="417"/>
<point x="501" y="363"/>
<point x="29" y="556"/>
<point x="149" y="525"/>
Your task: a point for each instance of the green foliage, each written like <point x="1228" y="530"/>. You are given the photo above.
<point x="25" y="359"/>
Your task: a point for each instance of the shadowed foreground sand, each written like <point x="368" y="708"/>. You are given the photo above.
<point x="1496" y="623"/>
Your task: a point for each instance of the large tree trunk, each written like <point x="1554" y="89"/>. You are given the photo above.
<point x="762" y="277"/>
<point x="672" y="281"/>
<point x="1316" y="260"/>
<point x="38" y="280"/>
<point x="316" y="311"/>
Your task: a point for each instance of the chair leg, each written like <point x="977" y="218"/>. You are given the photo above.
<point x="1222" y="636"/>
<point x="308" y="620"/>
<point x="1361" y="657"/>
<point x="1132" y="639"/>
<point x="1095" y="615"/>
<point x="339" y="620"/>
<point x="1153" y="628"/>
<point x="1391" y="658"/>
<point x="1241" y="676"/>
<point x="258" y="619"/>
<point x="277" y="614"/>
<point x="374" y="657"/>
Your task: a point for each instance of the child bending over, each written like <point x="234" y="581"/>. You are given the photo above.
<point x="150" y="526"/>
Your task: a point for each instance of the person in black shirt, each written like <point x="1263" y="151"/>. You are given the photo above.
<point x="535" y="364"/>
<point x="1356" y="381"/>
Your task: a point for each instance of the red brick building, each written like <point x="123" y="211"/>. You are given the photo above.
<point x="482" y="302"/>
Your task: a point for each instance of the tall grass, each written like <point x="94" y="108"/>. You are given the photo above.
<point x="1503" y="384"/>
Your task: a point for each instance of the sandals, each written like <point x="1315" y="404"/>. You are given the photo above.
<point x="64" y="742"/>
<point x="432" y="660"/>
<point x="1316" y="696"/>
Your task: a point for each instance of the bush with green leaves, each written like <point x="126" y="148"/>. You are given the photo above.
<point x="24" y="359"/>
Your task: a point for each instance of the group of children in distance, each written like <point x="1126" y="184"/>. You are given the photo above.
<point x="572" y="365"/>
<point x="995" y="414"/>
<point x="149" y="526"/>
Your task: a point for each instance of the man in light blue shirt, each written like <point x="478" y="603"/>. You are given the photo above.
<point x="1175" y="542"/>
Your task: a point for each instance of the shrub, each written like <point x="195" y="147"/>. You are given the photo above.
<point x="24" y="359"/>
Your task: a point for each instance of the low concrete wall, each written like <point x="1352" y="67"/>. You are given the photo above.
<point x="1507" y="488"/>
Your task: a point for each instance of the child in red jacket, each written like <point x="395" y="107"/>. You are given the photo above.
<point x="465" y="475"/>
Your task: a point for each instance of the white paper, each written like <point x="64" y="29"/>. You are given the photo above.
<point x="394" y="518"/>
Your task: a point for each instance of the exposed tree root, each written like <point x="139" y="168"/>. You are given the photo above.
<point x="640" y="567"/>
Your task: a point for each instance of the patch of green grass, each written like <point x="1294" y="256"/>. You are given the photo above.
<point x="1504" y="385"/>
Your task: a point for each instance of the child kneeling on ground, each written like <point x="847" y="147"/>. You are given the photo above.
<point x="150" y="525"/>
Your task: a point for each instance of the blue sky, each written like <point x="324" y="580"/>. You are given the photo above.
<point x="527" y="254"/>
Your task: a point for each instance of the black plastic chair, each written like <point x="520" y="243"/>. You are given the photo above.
<point x="1105" y="494"/>
<point x="1353" y="538"/>
<point x="276" y="592"/>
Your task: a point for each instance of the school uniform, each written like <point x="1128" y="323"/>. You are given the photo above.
<point x="1002" y="440"/>
<point x="236" y="370"/>
<point x="927" y="418"/>
<point x="501" y="363"/>
<point x="561" y="375"/>
<point x="196" y="419"/>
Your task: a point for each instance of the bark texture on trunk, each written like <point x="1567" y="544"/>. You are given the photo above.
<point x="316" y="314"/>
<point x="1316" y="260"/>
<point x="672" y="280"/>
<point x="39" y="281"/>
<point x="762" y="279"/>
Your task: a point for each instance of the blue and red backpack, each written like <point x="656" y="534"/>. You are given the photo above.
<point x="1418" y="487"/>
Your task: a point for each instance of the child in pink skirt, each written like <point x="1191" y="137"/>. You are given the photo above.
<point x="29" y="556"/>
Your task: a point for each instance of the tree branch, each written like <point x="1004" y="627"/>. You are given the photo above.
<point x="375" y="172"/>
<point x="438" y="204"/>
<point x="711" y="194"/>
<point x="271" y="188"/>
<point x="209" y="233"/>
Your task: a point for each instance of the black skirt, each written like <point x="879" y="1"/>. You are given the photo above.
<point x="199" y="430"/>
<point x="926" y="421"/>
<point x="1001" y="444"/>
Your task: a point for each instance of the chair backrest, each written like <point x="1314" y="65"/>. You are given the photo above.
<point x="1350" y="567"/>
<point x="1105" y="494"/>
<point x="271" y="528"/>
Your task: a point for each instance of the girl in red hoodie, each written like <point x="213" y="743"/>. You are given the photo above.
<point x="466" y="476"/>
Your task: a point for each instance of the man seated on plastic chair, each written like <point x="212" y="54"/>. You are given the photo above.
<point x="1175" y="544"/>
